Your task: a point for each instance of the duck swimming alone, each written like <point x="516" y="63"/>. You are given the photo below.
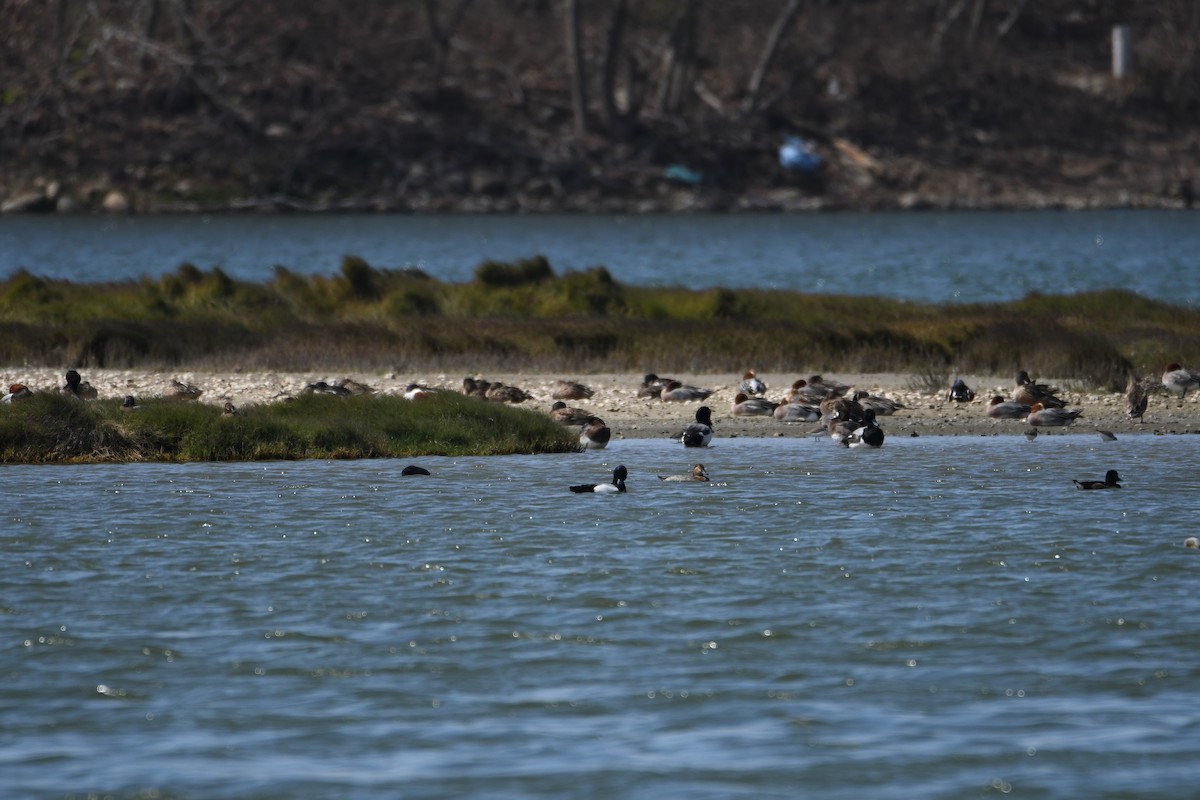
<point x="999" y="408"/>
<point x="869" y="434"/>
<point x="1051" y="417"/>
<point x="1178" y="379"/>
<point x="700" y="432"/>
<point x="595" y="435"/>
<point x="413" y="469"/>
<point x="617" y="485"/>
<point x="698" y="473"/>
<point x="1110" y="482"/>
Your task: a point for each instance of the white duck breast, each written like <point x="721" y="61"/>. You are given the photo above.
<point x="700" y="432"/>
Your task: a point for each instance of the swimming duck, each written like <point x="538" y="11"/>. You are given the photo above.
<point x="562" y="413"/>
<point x="570" y="390"/>
<point x="1178" y="379"/>
<point x="413" y="469"/>
<point x="1028" y="392"/>
<point x="676" y="392"/>
<point x="841" y="428"/>
<point x="959" y="392"/>
<point x="700" y="432"/>
<point x="1031" y="434"/>
<point x="16" y="393"/>
<point x="595" y="435"/>
<point x="617" y="485"/>
<point x="869" y="434"/>
<point x="78" y="387"/>
<point x="1107" y="436"/>
<point x="998" y="408"/>
<point x="744" y="406"/>
<point x="1110" y="482"/>
<point x="1051" y="417"/>
<point x="796" y="412"/>
<point x="652" y="386"/>
<point x="751" y="385"/>
<point x="697" y="474"/>
<point x="882" y="406"/>
<point x="1136" y="399"/>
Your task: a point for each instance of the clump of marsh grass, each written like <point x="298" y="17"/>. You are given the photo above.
<point x="521" y="315"/>
<point x="52" y="428"/>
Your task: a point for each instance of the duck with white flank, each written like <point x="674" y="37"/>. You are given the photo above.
<point x="1028" y="392"/>
<point x="999" y="408"/>
<point x="1110" y="482"/>
<point x="16" y="393"/>
<point x="869" y="434"/>
<point x="744" y="406"/>
<point x="959" y="392"/>
<point x="751" y="385"/>
<point x="595" y="435"/>
<point x="617" y="485"/>
<point x="697" y="474"/>
<point x="700" y="432"/>
<point x="1178" y="379"/>
<point x="1051" y="417"/>
<point x="676" y="392"/>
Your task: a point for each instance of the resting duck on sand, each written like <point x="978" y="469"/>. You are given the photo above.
<point x="570" y="390"/>
<point x="959" y="392"/>
<point x="16" y="393"/>
<point x="1051" y="417"/>
<point x="566" y="415"/>
<point x="796" y="412"/>
<point x="617" y="485"/>
<point x="882" y="406"/>
<point x="1178" y="379"/>
<point x="1028" y="392"/>
<point x="744" y="406"/>
<point x="1110" y="482"/>
<point x="999" y="408"/>
<point x="751" y="385"/>
<point x="676" y="392"/>
<point x="652" y="386"/>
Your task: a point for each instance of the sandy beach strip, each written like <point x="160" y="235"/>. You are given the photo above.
<point x="616" y="399"/>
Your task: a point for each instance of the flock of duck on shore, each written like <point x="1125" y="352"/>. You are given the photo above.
<point x="849" y="418"/>
<point x="851" y="421"/>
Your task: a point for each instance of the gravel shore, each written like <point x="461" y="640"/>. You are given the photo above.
<point x="632" y="417"/>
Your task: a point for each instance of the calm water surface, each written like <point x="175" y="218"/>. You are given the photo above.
<point x="943" y="618"/>
<point x="937" y="257"/>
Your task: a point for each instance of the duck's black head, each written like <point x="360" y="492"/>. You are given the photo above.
<point x="704" y="415"/>
<point x="620" y="473"/>
<point x="1111" y="476"/>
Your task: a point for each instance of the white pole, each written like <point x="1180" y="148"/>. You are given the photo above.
<point x="1122" y="51"/>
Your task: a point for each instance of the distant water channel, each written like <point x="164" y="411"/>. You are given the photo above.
<point x="936" y="257"/>
<point x="942" y="618"/>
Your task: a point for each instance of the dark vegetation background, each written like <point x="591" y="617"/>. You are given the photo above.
<point x="474" y="104"/>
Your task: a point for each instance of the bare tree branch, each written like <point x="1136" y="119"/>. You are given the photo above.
<point x="784" y="21"/>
